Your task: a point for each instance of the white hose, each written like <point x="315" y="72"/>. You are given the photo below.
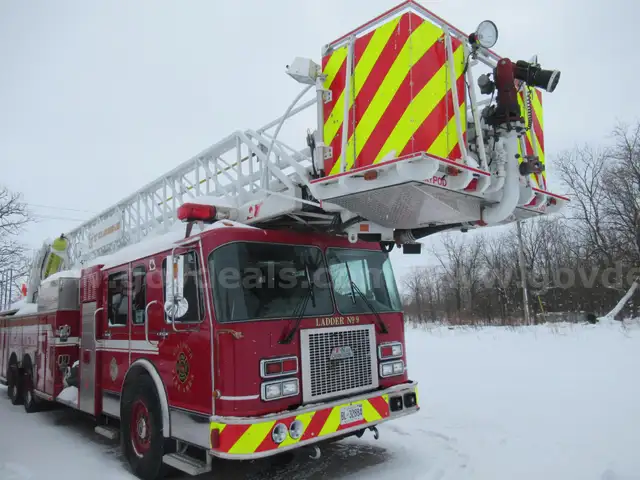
<point x="511" y="191"/>
<point x="500" y="157"/>
<point x="284" y="118"/>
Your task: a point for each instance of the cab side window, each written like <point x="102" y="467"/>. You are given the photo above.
<point x="118" y="298"/>
<point x="192" y="291"/>
<point x="138" y="295"/>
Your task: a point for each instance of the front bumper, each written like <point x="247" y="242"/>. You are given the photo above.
<point x="249" y="438"/>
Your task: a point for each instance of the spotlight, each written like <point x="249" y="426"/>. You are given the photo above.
<point x="486" y="35"/>
<point x="533" y="75"/>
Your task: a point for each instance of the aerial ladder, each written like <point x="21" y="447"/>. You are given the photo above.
<point x="420" y="128"/>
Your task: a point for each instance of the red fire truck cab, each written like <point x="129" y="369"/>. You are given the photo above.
<point x="234" y="342"/>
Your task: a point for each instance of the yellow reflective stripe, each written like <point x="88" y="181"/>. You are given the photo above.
<point x="418" y="43"/>
<point x="529" y="133"/>
<point x="369" y="413"/>
<point x="305" y="418"/>
<point x="333" y="66"/>
<point x="219" y="426"/>
<point x="417" y="399"/>
<point x="419" y="109"/>
<point x="537" y="107"/>
<point x="446" y="140"/>
<point x="252" y="438"/>
<point x="361" y="72"/>
<point x="332" y="423"/>
<point x="538" y="112"/>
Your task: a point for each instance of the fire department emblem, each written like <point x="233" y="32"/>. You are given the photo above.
<point x="113" y="369"/>
<point x="182" y="367"/>
<point x="182" y="373"/>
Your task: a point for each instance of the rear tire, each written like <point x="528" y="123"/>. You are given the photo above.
<point x="30" y="403"/>
<point x="143" y="443"/>
<point x="15" y="386"/>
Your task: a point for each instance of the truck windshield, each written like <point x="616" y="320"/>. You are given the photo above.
<point x="254" y="281"/>
<point x="367" y="270"/>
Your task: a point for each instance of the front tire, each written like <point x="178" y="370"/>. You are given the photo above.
<point x="143" y="443"/>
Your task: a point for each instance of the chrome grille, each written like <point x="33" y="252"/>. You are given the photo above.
<point x="324" y="377"/>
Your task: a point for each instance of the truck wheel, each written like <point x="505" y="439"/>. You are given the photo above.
<point x="30" y="403"/>
<point x="10" y="384"/>
<point x="143" y="443"/>
<point x="15" y="388"/>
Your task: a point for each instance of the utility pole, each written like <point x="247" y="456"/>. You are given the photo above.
<point x="3" y="289"/>
<point x="523" y="276"/>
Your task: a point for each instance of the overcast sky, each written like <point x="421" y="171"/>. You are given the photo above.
<point x="97" y="98"/>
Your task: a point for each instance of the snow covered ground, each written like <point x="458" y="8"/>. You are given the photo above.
<point x="541" y="402"/>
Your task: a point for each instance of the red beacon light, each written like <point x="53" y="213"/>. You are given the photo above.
<point x="196" y="212"/>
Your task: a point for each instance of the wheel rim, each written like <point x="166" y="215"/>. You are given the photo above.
<point x="140" y="428"/>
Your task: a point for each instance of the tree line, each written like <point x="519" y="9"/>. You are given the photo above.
<point x="581" y="263"/>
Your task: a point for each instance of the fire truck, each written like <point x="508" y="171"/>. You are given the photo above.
<point x="244" y="304"/>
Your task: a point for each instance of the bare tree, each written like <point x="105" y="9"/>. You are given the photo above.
<point x="584" y="172"/>
<point x="14" y="216"/>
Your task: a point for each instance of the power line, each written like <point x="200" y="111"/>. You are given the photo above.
<point x="60" y="208"/>
<point x="54" y="217"/>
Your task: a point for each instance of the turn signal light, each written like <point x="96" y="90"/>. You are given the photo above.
<point x="390" y="350"/>
<point x="278" y="367"/>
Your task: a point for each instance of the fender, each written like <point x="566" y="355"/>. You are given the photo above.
<point x="162" y="393"/>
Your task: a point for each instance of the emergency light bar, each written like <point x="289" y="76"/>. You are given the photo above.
<point x="195" y="212"/>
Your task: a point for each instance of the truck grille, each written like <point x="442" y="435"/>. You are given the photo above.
<point x="352" y="369"/>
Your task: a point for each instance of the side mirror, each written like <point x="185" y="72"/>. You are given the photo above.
<point x="175" y="305"/>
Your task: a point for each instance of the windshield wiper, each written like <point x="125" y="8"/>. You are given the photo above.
<point x="302" y="305"/>
<point x="355" y="288"/>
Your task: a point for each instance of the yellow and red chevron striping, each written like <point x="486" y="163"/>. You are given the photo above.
<point x="247" y="439"/>
<point x="535" y="132"/>
<point x="400" y="98"/>
<point x="373" y="55"/>
<point x="428" y="123"/>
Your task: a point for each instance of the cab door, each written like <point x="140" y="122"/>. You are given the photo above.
<point x="115" y="332"/>
<point x="188" y="369"/>
<point x="147" y="328"/>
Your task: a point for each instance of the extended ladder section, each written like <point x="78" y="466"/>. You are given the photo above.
<point x="420" y="128"/>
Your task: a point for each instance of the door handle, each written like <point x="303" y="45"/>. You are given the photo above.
<point x="95" y="325"/>
<point x="146" y="323"/>
<point x="107" y="334"/>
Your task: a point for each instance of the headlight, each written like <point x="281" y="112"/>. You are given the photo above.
<point x="273" y="391"/>
<point x="280" y="389"/>
<point x="279" y="433"/>
<point x="391" y="369"/>
<point x="386" y="370"/>
<point x="289" y="388"/>
<point x="296" y="429"/>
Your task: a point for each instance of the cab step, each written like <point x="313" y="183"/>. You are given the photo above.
<point x="107" y="432"/>
<point x="189" y="465"/>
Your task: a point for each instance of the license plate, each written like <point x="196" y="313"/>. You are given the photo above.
<point x="351" y="414"/>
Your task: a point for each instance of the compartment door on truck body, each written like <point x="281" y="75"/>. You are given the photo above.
<point x="91" y="314"/>
<point x="4" y="356"/>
